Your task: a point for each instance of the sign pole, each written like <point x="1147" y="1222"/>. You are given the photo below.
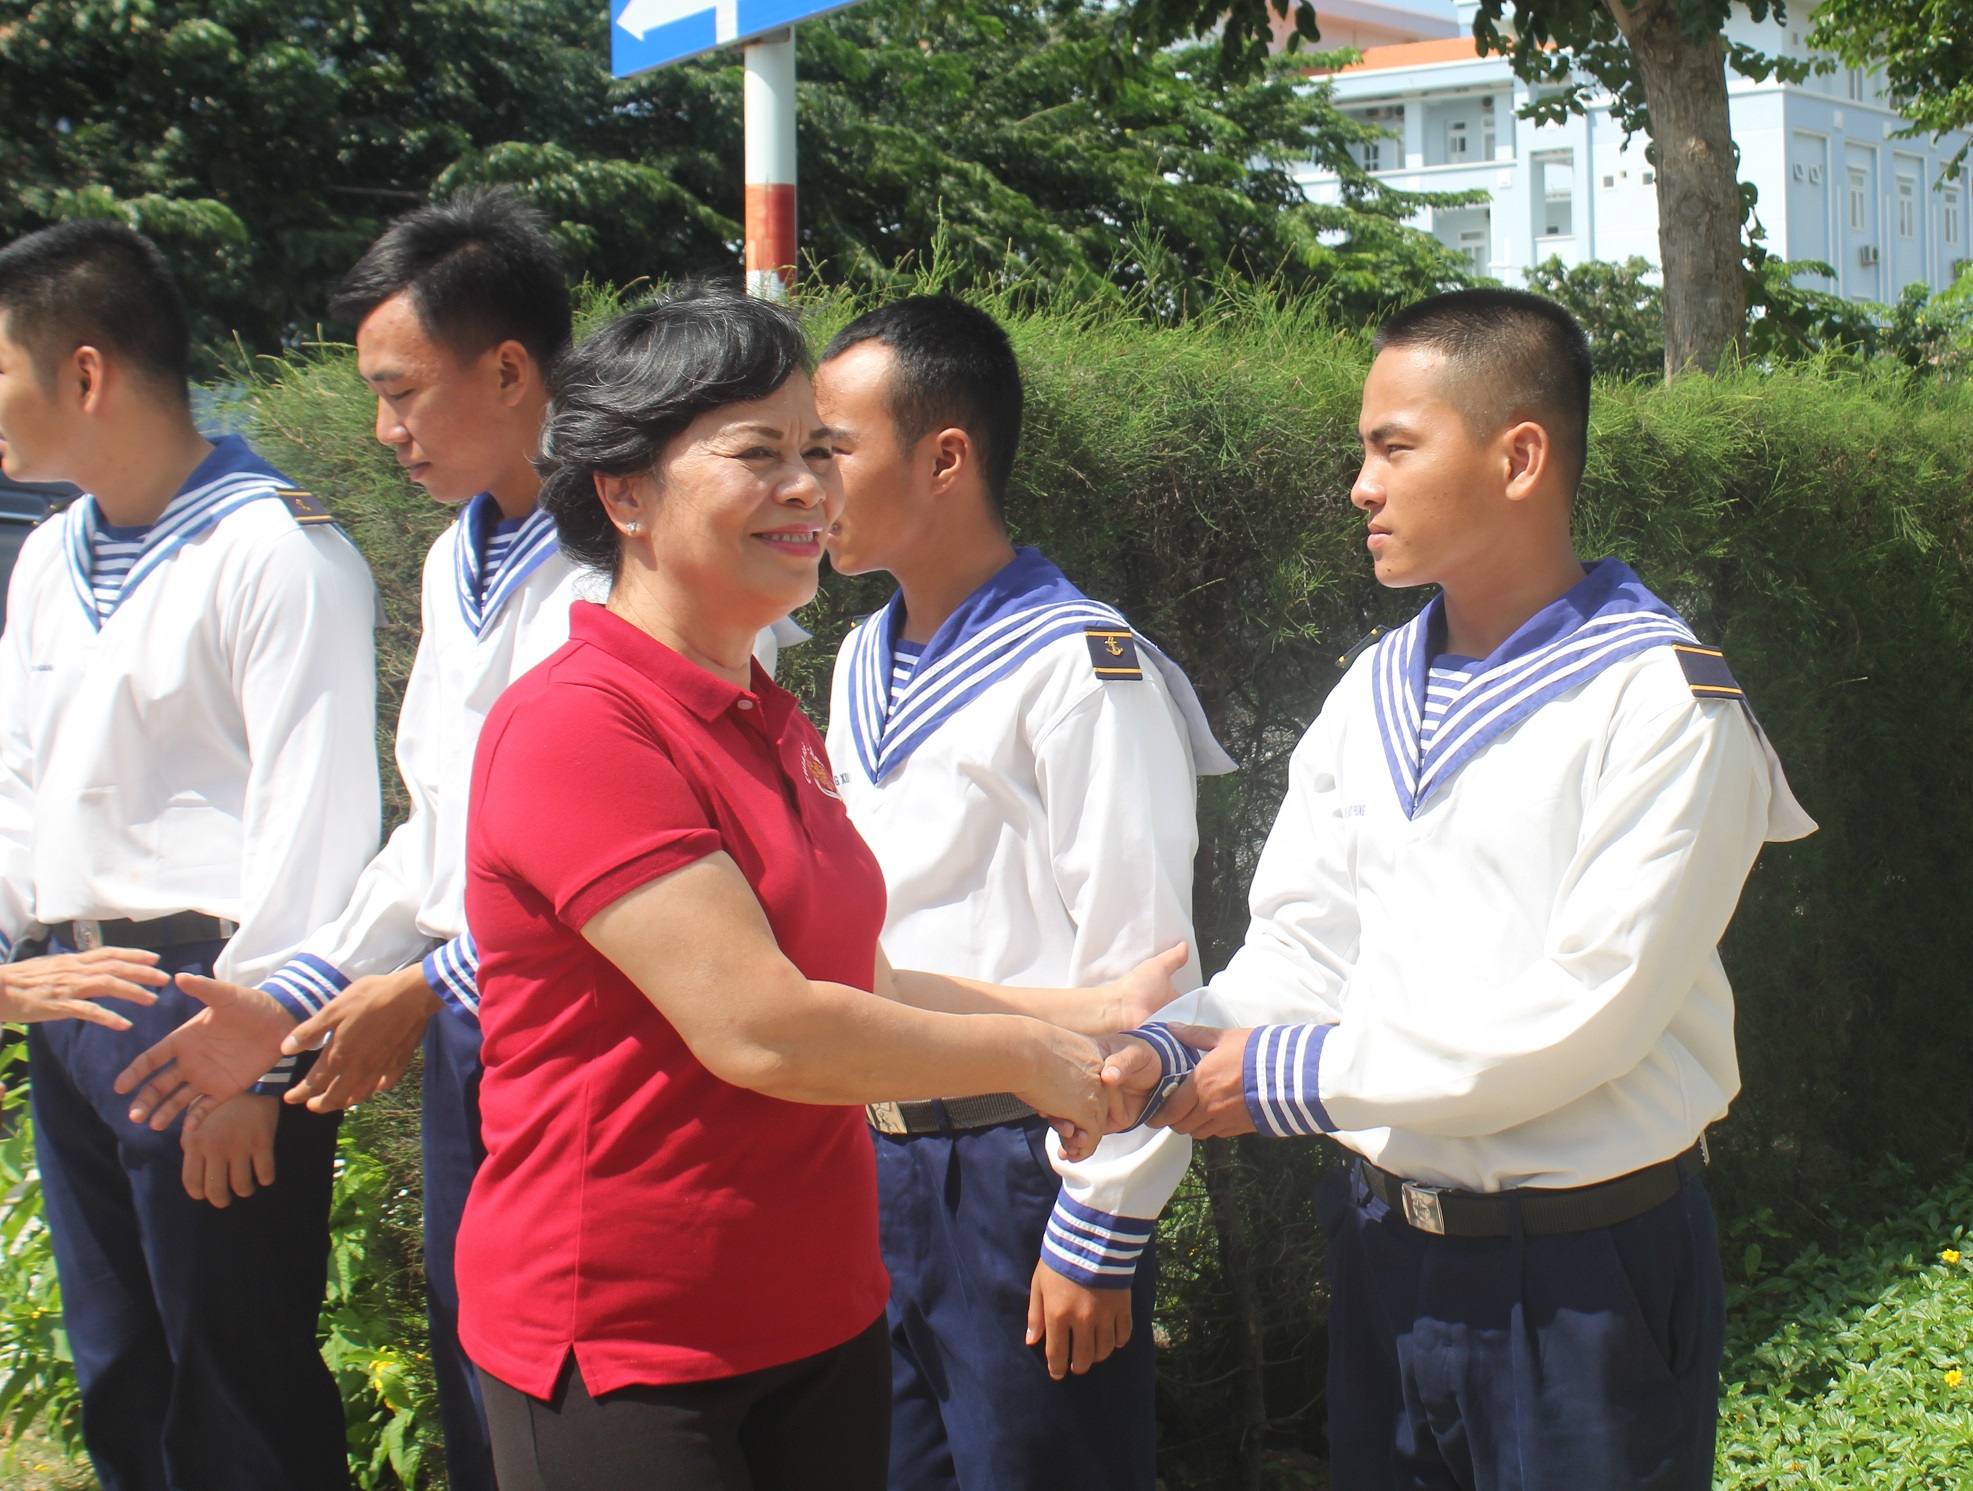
<point x="770" y="164"/>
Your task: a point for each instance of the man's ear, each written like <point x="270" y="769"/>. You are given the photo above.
<point x="87" y="375"/>
<point x="514" y="368"/>
<point x="952" y="458"/>
<point x="1529" y="455"/>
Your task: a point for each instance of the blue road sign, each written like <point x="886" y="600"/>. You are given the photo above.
<point x="649" y="33"/>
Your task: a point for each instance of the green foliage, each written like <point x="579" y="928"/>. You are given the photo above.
<point x="37" y="1373"/>
<point x="1925" y="48"/>
<point x="264" y="143"/>
<point x="1623" y="312"/>
<point x="1852" y="1365"/>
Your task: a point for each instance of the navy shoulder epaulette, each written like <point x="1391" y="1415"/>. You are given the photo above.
<point x="1113" y="653"/>
<point x="304" y="507"/>
<point x="1706" y="672"/>
<point x="1362" y="645"/>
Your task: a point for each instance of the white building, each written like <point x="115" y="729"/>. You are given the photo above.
<point x="1834" y="185"/>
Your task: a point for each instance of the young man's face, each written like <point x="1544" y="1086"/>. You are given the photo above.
<point x="884" y="500"/>
<point x="1427" y="486"/>
<point x="454" y="425"/>
<point x="36" y="432"/>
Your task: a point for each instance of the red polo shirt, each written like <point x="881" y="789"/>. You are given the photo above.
<point x="660" y="1223"/>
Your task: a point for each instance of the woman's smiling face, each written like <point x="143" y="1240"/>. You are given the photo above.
<point x="741" y="499"/>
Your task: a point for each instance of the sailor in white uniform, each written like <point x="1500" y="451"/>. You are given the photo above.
<point x="187" y="766"/>
<point x="1024" y="772"/>
<point x="1484" y="954"/>
<point x="397" y="963"/>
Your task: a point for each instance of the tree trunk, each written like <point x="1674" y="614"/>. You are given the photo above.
<point x="1699" y="209"/>
<point x="1236" y="1257"/>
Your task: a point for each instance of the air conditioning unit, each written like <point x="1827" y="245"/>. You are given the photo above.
<point x="1867" y="255"/>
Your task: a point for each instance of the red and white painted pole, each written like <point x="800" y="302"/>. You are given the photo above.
<point x="770" y="175"/>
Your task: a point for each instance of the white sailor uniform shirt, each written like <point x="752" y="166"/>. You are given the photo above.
<point x="1030" y="794"/>
<point x="205" y="742"/>
<point x="490" y="611"/>
<point x="1494" y="963"/>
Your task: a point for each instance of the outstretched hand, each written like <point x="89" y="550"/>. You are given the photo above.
<point x="377" y="1023"/>
<point x="215" y="1056"/>
<point x="66" y="986"/>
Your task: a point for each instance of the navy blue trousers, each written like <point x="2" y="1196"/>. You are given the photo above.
<point x="193" y="1328"/>
<point x="973" y="1406"/>
<point x="1583" y="1361"/>
<point x="452" y="1154"/>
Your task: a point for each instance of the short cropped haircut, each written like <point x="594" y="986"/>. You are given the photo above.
<point x="622" y="395"/>
<point x="480" y="270"/>
<point x="1509" y="356"/>
<point x="97" y="284"/>
<point x="952" y="367"/>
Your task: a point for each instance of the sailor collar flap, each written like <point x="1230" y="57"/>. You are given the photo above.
<point x="1607" y="617"/>
<point x="232" y="476"/>
<point x="1022" y="609"/>
<point x="532" y="545"/>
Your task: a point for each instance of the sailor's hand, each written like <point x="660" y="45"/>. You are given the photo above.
<point x="1076" y="1326"/>
<point x="1067" y="1088"/>
<point x="232" y="1152"/>
<point x="65" y="986"/>
<point x="377" y="1023"/>
<point x="1212" y="1102"/>
<point x="1146" y="989"/>
<point x="212" y="1058"/>
<point x="1131" y="1073"/>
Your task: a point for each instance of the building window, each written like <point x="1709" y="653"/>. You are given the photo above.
<point x="1907" y="207"/>
<point x="1555" y="190"/>
<point x="1859" y="197"/>
<point x="1455" y="141"/>
<point x="1486" y="129"/>
<point x="1853" y="78"/>
<point x="1373" y="155"/>
<point x="1473" y="244"/>
<point x="1952" y="217"/>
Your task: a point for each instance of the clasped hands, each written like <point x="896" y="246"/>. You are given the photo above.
<point x="1211" y="1101"/>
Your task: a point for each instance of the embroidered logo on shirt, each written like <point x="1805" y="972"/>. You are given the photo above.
<point x="818" y="774"/>
<point x="1113" y="653"/>
<point x="305" y="507"/>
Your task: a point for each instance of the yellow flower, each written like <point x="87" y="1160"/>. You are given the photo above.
<point x="1951" y="1255"/>
<point x="1955" y="1377"/>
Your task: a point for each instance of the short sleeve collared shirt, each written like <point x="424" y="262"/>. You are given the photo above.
<point x="662" y="1224"/>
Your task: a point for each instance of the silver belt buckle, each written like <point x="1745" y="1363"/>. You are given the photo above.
<point x="885" y="1118"/>
<point x="88" y="936"/>
<point x="1422" y="1208"/>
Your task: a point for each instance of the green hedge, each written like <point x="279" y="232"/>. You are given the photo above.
<point x="1810" y="521"/>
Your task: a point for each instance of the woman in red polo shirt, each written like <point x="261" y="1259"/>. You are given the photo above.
<point x="668" y="1269"/>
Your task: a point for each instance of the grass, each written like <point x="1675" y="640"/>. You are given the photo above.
<point x="31" y="1463"/>
<point x="1852" y="1365"/>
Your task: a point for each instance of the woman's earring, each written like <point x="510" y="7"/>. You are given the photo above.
<point x="632" y="527"/>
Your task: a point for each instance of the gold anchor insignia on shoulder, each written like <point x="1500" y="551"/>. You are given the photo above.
<point x="1113" y="653"/>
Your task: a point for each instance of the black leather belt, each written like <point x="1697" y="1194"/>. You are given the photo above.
<point x="158" y="935"/>
<point x="947" y="1115"/>
<point x="1449" y="1213"/>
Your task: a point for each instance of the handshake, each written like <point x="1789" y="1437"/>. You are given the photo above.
<point x="1189" y="1078"/>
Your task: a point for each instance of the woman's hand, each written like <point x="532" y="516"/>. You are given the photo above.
<point x="216" y="1055"/>
<point x="65" y="986"/>
<point x="1146" y="989"/>
<point x="232" y="1152"/>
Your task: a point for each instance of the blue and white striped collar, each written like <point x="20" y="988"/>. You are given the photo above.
<point x="532" y="545"/>
<point x="1027" y="605"/>
<point x="225" y="481"/>
<point x="1607" y="617"/>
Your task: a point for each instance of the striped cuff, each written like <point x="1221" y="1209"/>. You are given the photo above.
<point x="302" y="986"/>
<point x="1092" y="1248"/>
<point x="1175" y="1061"/>
<point x="1282" y="1070"/>
<point x="453" y="970"/>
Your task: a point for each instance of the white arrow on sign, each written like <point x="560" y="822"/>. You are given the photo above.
<point x="640" y="17"/>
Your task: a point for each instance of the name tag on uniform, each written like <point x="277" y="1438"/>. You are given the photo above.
<point x="1113" y="653"/>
